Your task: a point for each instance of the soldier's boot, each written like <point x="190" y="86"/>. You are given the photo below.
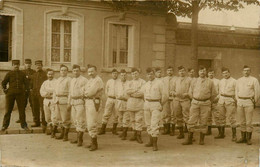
<point x="172" y="133"/>
<point x="248" y="138"/>
<point x="66" y="134"/>
<point x="168" y="128"/>
<point x="48" y="130"/>
<point x="209" y="131"/>
<point x="164" y="129"/>
<point x="221" y="133"/>
<point x="76" y="140"/>
<point x="133" y="138"/>
<point x="114" y="131"/>
<point x="243" y="138"/>
<point x="155" y="148"/>
<point x="234" y="134"/>
<point x="80" y="139"/>
<point x="189" y="139"/>
<point x="61" y="134"/>
<point x="150" y="143"/>
<point x="125" y="133"/>
<point x="44" y="128"/>
<point x="202" y="136"/>
<point x="94" y="145"/>
<point x="54" y="131"/>
<point x="185" y="130"/>
<point x="139" y="137"/>
<point x="122" y="134"/>
<point x="181" y="135"/>
<point x="103" y="129"/>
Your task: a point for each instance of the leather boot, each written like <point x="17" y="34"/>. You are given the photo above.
<point x="103" y="129"/>
<point x="189" y="139"/>
<point x="150" y="143"/>
<point x="76" y="140"/>
<point x="209" y="131"/>
<point x="181" y="135"/>
<point x="243" y="138"/>
<point x="165" y="129"/>
<point x="139" y="137"/>
<point x="122" y="134"/>
<point x="248" y="138"/>
<point x="185" y="130"/>
<point x="54" y="131"/>
<point x="66" y="134"/>
<point x="234" y="134"/>
<point x="133" y="138"/>
<point x="172" y="133"/>
<point x="94" y="145"/>
<point x="221" y="133"/>
<point x="202" y="135"/>
<point x="168" y="128"/>
<point x="44" y="128"/>
<point x="61" y="134"/>
<point x="80" y="139"/>
<point x="155" y="148"/>
<point x="125" y="133"/>
<point x="48" y="130"/>
<point x="114" y="132"/>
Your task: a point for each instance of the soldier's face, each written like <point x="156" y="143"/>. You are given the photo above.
<point x="202" y="73"/>
<point x="182" y="72"/>
<point x="63" y="71"/>
<point x="211" y="74"/>
<point x="92" y="72"/>
<point x="28" y="66"/>
<point x="16" y="66"/>
<point x="114" y="75"/>
<point x="226" y="74"/>
<point x="38" y="67"/>
<point x="158" y="74"/>
<point x="50" y="75"/>
<point x="135" y="75"/>
<point x="246" y="72"/>
<point x="76" y="72"/>
<point x="191" y="73"/>
<point x="169" y="72"/>
<point x="150" y="76"/>
<point x="123" y="76"/>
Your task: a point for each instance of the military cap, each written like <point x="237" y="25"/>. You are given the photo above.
<point x="149" y="69"/>
<point x="134" y="69"/>
<point x="180" y="68"/>
<point x="62" y="65"/>
<point x="38" y="62"/>
<point x="75" y="66"/>
<point x="122" y="71"/>
<point x="15" y="62"/>
<point x="246" y="66"/>
<point x="224" y="69"/>
<point x="114" y="70"/>
<point x="28" y="61"/>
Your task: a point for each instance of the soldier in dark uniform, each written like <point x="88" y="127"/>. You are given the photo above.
<point x="37" y="79"/>
<point x="28" y="72"/>
<point x="18" y="84"/>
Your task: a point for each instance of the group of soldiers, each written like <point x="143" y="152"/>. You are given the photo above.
<point x="182" y="102"/>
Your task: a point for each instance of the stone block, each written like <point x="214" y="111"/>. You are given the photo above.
<point x="160" y="38"/>
<point x="158" y="63"/>
<point x="159" y="47"/>
<point x="160" y="55"/>
<point x="158" y="29"/>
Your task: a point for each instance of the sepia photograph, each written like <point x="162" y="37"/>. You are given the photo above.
<point x="129" y="83"/>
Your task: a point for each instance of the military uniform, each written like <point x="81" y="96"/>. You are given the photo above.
<point x="135" y="107"/>
<point x="28" y="97"/>
<point x="247" y="93"/>
<point x="18" y="84"/>
<point x="92" y="93"/>
<point x="181" y="102"/>
<point x="110" y="91"/>
<point x="202" y="91"/>
<point x="226" y="106"/>
<point x="154" y="95"/>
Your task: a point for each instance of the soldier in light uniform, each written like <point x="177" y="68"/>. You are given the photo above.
<point x="214" y="113"/>
<point x="46" y="92"/>
<point x="77" y="104"/>
<point x="168" y="118"/>
<point x="60" y="98"/>
<point x="180" y="92"/>
<point x="92" y="94"/>
<point x="226" y="104"/>
<point x="110" y="91"/>
<point x="155" y="97"/>
<point x="121" y="96"/>
<point x="135" y="104"/>
<point x="202" y="92"/>
<point x="247" y="94"/>
<point x="191" y="73"/>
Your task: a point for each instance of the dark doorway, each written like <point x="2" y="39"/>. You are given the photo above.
<point x="5" y="38"/>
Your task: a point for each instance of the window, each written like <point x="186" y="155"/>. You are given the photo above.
<point x="5" y="38"/>
<point x="120" y="45"/>
<point x="61" y="41"/>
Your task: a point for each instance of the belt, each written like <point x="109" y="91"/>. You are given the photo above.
<point x="112" y="97"/>
<point x="76" y="98"/>
<point x="62" y="95"/>
<point x="48" y="97"/>
<point x="91" y="98"/>
<point x="153" y="100"/>
<point x="224" y="95"/>
<point x="201" y="99"/>
<point x="245" y="98"/>
<point x="137" y="97"/>
<point x="122" y="99"/>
